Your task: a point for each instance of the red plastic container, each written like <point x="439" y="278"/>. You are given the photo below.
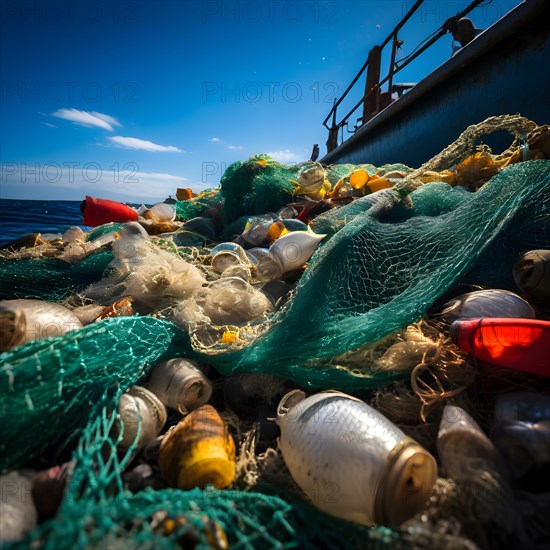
<point x="522" y="344"/>
<point x="100" y="211"/>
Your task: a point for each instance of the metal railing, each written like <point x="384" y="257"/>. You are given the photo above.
<point x="373" y="99"/>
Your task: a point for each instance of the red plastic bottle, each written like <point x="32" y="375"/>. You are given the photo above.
<point x="99" y="211"/>
<point x="522" y="344"/>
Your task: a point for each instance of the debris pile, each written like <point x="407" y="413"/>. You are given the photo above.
<point x="317" y="356"/>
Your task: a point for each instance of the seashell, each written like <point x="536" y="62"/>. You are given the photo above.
<point x="198" y="451"/>
<point x="532" y="273"/>
<point x="475" y="170"/>
<point x="293" y="250"/>
<point x="311" y="178"/>
<point x="352" y="461"/>
<point x="140" y="406"/>
<point x="487" y="303"/>
<point x="464" y="450"/>
<point x="359" y="179"/>
<point x="23" y="320"/>
<point x="521" y="431"/>
<point x="180" y="384"/>
<point x="376" y="184"/>
<point x="17" y="511"/>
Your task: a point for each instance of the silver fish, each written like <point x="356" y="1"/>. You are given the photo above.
<point x="352" y="461"/>
<point x="487" y="303"/>
<point x="24" y="320"/>
<point x="521" y="431"/>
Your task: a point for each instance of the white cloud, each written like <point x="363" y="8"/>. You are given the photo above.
<point x="234" y="147"/>
<point x="285" y="155"/>
<point x="50" y="125"/>
<point x="108" y="119"/>
<point x="143" y="145"/>
<point x="215" y="140"/>
<point x="85" y="118"/>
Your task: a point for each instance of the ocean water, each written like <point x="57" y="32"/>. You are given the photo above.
<point x="20" y="217"/>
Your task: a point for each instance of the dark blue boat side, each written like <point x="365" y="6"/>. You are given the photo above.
<point x="504" y="70"/>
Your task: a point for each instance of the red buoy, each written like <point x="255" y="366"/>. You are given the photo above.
<point x="522" y="344"/>
<point x="99" y="211"/>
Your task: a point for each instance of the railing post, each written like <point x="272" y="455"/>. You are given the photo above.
<point x="332" y="141"/>
<point x="395" y="45"/>
<point x="370" y="102"/>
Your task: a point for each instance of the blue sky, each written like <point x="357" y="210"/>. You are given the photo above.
<point x="129" y="100"/>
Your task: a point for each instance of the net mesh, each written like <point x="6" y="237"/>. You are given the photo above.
<point x="387" y="258"/>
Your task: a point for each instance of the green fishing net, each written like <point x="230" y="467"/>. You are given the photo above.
<point x="377" y="274"/>
<point x="49" y="387"/>
<point x="186" y="210"/>
<point x="49" y="279"/>
<point x="387" y="258"/>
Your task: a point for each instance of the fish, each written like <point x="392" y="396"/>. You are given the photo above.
<point x="198" y="451"/>
<point x="486" y="303"/>
<point x="24" y="320"/>
<point x="293" y="250"/>
<point x="532" y="273"/>
<point x="140" y="412"/>
<point x="351" y="461"/>
<point x="180" y="384"/>
<point x="521" y="431"/>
